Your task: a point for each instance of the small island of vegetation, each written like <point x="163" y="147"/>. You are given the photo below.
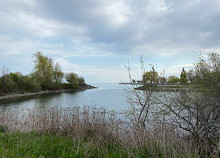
<point x="46" y="77"/>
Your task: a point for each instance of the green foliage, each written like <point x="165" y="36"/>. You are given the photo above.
<point x="162" y="80"/>
<point x="151" y="77"/>
<point x="197" y="108"/>
<point x="28" y="84"/>
<point x="50" y="76"/>
<point x="16" y="82"/>
<point x="173" y="79"/>
<point x="43" y="70"/>
<point x="6" y="83"/>
<point x="36" y="145"/>
<point x="57" y="74"/>
<point x="33" y="144"/>
<point x="206" y="74"/>
<point x="183" y="77"/>
<point x="81" y="81"/>
<point x="72" y="79"/>
<point x="45" y="76"/>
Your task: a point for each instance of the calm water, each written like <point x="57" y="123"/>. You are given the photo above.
<point x="108" y="96"/>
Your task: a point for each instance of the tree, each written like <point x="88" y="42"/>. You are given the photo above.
<point x="6" y="83"/>
<point x="190" y="76"/>
<point x="57" y="74"/>
<point x="72" y="79"/>
<point x="173" y="79"/>
<point x="141" y="103"/>
<point x="43" y="70"/>
<point x="151" y="77"/>
<point x="197" y="109"/>
<point x="81" y="81"/>
<point x="194" y="111"/>
<point x="206" y="74"/>
<point x="183" y="77"/>
<point x="162" y="80"/>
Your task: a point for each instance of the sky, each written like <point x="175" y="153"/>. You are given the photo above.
<point x="97" y="38"/>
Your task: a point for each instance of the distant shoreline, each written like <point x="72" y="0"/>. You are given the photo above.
<point x="17" y="95"/>
<point x="167" y="88"/>
<point x="130" y="83"/>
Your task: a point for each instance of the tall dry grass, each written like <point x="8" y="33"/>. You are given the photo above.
<point x="158" y="140"/>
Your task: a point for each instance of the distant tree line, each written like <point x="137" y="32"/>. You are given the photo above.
<point x="196" y="76"/>
<point x="45" y="76"/>
<point x="152" y="78"/>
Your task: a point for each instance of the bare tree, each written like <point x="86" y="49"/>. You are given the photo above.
<point x="197" y="109"/>
<point x="142" y="100"/>
<point x="194" y="111"/>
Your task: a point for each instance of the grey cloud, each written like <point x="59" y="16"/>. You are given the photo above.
<point x="125" y="26"/>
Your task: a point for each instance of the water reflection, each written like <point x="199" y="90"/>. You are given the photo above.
<point x="108" y="96"/>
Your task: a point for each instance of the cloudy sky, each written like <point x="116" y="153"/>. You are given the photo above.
<point x="97" y="38"/>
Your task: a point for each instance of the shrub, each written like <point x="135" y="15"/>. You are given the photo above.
<point x="6" y="83"/>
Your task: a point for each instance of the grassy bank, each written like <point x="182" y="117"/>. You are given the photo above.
<point x="37" y="144"/>
<point x="87" y="132"/>
<point x="33" y="144"/>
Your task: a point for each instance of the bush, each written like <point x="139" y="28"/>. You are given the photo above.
<point x="29" y="84"/>
<point x="73" y="79"/>
<point x="6" y="83"/>
<point x="197" y="108"/>
<point x="16" y="82"/>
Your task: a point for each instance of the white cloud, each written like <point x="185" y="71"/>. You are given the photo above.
<point x="158" y="8"/>
<point x="117" y="12"/>
<point x="8" y="45"/>
<point x="164" y="31"/>
<point x="93" y="73"/>
<point x="36" y="25"/>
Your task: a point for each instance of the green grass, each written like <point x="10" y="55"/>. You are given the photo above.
<point x="33" y="144"/>
<point x="44" y="145"/>
<point x="87" y="137"/>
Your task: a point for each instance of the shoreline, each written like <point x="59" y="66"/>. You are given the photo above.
<point x="130" y="83"/>
<point x="166" y="88"/>
<point x="25" y="94"/>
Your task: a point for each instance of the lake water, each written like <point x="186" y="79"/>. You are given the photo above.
<point x="108" y="95"/>
<point x="111" y="97"/>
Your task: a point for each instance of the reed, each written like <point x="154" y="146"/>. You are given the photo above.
<point x="96" y="132"/>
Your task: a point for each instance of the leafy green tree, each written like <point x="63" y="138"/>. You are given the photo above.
<point x="207" y="74"/>
<point x="15" y="76"/>
<point x="46" y="75"/>
<point x="72" y="79"/>
<point x="183" y="77"/>
<point x="173" y="79"/>
<point x="43" y="70"/>
<point x="57" y="74"/>
<point x="29" y="84"/>
<point x="162" y="80"/>
<point x="81" y="81"/>
<point x="16" y="82"/>
<point x="6" y="83"/>
<point x="151" y="77"/>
